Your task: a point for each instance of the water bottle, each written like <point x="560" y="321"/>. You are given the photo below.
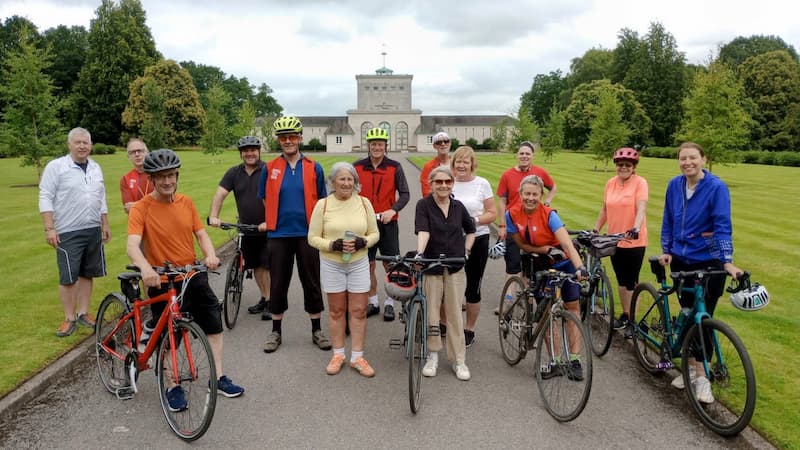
<point x="349" y="236"/>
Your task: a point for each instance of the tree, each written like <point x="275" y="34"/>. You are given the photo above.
<point x="216" y="135"/>
<point x="627" y="51"/>
<point x="68" y="46"/>
<point x="524" y="129"/>
<point x="772" y="82"/>
<point x="583" y="108"/>
<point x="737" y="51"/>
<point x="553" y="134"/>
<point x="154" y="129"/>
<point x="715" y="117"/>
<point x="500" y="135"/>
<point x="247" y="120"/>
<point x="595" y="64"/>
<point x="658" y="77"/>
<point x="545" y="90"/>
<point x="11" y="34"/>
<point x="120" y="47"/>
<point x="609" y="132"/>
<point x="183" y="114"/>
<point x="264" y="103"/>
<point x="30" y="123"/>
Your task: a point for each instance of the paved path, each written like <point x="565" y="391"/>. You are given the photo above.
<point x="291" y="403"/>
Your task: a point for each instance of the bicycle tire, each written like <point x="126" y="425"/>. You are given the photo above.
<point x="566" y="391"/>
<point x="111" y="367"/>
<point x="512" y="321"/>
<point x="416" y="343"/>
<point x="199" y="385"/>
<point x="649" y="327"/>
<point x="732" y="378"/>
<point x="233" y="291"/>
<point x="600" y="316"/>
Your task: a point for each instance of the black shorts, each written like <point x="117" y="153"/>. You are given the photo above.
<point x="512" y="257"/>
<point x="255" y="252"/>
<point x="80" y="254"/>
<point x="627" y="263"/>
<point x="199" y="301"/>
<point x="388" y="243"/>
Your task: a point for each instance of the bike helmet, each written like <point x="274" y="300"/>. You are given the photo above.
<point x="161" y="159"/>
<point x="287" y="125"/>
<point x="249" y="141"/>
<point x="377" y="133"/>
<point x="400" y="283"/>
<point x="751" y="298"/>
<point x="626" y="154"/>
<point x="498" y="250"/>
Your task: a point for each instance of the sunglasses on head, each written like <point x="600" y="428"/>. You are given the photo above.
<point x="442" y="142"/>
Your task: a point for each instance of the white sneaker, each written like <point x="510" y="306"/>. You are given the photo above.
<point x="677" y="383"/>
<point x="702" y="390"/>
<point x="429" y="370"/>
<point x="462" y="371"/>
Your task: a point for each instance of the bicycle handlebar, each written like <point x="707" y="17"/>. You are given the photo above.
<point x="171" y="269"/>
<point x="424" y="261"/>
<point x="741" y="280"/>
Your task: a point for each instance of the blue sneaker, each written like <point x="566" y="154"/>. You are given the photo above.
<point x="226" y="387"/>
<point x="176" y="399"/>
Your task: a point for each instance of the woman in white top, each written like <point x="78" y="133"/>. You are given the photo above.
<point x="477" y="195"/>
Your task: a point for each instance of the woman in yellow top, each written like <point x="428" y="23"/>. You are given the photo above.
<point x="342" y="227"/>
<point x="624" y="208"/>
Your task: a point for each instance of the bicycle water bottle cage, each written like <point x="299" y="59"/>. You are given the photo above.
<point x="658" y="270"/>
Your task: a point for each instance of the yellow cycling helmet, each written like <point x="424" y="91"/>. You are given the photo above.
<point x="377" y="134"/>
<point x="287" y="124"/>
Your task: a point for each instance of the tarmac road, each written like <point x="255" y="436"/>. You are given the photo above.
<point x="291" y="403"/>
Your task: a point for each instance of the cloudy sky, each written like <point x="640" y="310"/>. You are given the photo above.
<point x="467" y="56"/>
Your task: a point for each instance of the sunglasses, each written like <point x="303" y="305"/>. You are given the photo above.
<point x="624" y="164"/>
<point x="447" y="182"/>
<point x="288" y="137"/>
<point x="441" y="142"/>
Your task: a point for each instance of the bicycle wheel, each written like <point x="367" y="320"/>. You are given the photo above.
<point x="730" y="373"/>
<point x="416" y="342"/>
<point x="649" y="334"/>
<point x="563" y="366"/>
<point x="512" y="321"/>
<point x="600" y="315"/>
<point x="233" y="291"/>
<point x="196" y="376"/>
<point x="112" y="347"/>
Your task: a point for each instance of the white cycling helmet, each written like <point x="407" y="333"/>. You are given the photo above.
<point x="498" y="250"/>
<point x="752" y="298"/>
<point x="400" y="283"/>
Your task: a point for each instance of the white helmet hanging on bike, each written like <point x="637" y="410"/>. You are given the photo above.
<point x="498" y="250"/>
<point x="752" y="298"/>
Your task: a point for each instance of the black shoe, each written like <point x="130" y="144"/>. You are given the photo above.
<point x="388" y="313"/>
<point x="469" y="337"/>
<point x="372" y="310"/>
<point x="259" y="307"/>
<point x="552" y="370"/>
<point x="266" y="315"/>
<point x="575" y="371"/>
<point x="442" y="329"/>
<point x="622" y="322"/>
<point x="628" y="333"/>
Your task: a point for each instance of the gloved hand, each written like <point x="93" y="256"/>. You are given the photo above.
<point x="360" y="243"/>
<point x="337" y="245"/>
<point x="582" y="273"/>
<point x="633" y="233"/>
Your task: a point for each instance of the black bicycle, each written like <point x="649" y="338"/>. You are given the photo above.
<point x="234" y="281"/>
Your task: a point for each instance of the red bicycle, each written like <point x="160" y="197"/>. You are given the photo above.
<point x="183" y="354"/>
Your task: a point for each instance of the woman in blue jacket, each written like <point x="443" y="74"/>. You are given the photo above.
<point x="696" y="234"/>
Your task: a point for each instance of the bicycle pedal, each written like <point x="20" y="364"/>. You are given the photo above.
<point x="395" y="344"/>
<point x="248" y="274"/>
<point x="125" y="393"/>
<point x="664" y="365"/>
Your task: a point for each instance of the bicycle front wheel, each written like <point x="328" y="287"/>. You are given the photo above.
<point x="730" y="374"/>
<point x="189" y="415"/>
<point x="112" y="343"/>
<point x="512" y="320"/>
<point x="600" y="315"/>
<point x="416" y="342"/>
<point x="233" y="291"/>
<point x="649" y="327"/>
<point x="563" y="366"/>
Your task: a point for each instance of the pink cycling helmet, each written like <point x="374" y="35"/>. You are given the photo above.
<point x="626" y="154"/>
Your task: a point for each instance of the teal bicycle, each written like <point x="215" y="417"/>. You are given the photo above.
<point x="659" y="338"/>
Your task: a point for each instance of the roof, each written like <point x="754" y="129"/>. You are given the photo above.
<point x="432" y="124"/>
<point x="333" y="124"/>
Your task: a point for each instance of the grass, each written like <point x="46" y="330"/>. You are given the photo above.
<point x="765" y="236"/>
<point x="766" y="244"/>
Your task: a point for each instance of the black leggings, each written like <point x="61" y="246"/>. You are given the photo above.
<point x="476" y="265"/>
<point x="282" y="253"/>
<point x="714" y="289"/>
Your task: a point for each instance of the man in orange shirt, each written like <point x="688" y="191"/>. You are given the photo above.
<point x="441" y="142"/>
<point x="135" y="184"/>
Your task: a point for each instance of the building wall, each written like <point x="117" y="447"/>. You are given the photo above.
<point x="356" y="120"/>
<point x="384" y="93"/>
<point x="346" y="145"/>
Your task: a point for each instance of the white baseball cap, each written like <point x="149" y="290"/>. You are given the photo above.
<point x="441" y="136"/>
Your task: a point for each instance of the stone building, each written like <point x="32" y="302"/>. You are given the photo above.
<point x="385" y="100"/>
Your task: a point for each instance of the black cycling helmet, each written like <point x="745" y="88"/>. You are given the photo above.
<point x="249" y="141"/>
<point x="161" y="159"/>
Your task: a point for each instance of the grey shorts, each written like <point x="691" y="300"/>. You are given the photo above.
<point x="340" y="276"/>
<point x="80" y="254"/>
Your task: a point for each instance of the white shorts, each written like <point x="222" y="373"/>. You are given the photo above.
<point x="341" y="276"/>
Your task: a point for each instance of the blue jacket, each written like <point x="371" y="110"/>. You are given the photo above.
<point x="698" y="229"/>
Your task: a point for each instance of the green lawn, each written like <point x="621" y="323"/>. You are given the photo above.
<point x="764" y="226"/>
<point x="764" y="230"/>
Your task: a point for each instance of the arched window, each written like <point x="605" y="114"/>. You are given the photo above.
<point x="366" y="126"/>
<point x="401" y="137"/>
<point x="388" y="128"/>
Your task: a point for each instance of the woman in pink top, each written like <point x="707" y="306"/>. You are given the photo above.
<point x="624" y="207"/>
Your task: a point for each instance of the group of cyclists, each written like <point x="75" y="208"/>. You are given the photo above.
<point x="335" y="237"/>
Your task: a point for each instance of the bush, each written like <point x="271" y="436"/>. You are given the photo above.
<point x="454" y="144"/>
<point x="104" y="149"/>
<point x="766" y="158"/>
<point x="659" y="152"/>
<point x="789" y="159"/>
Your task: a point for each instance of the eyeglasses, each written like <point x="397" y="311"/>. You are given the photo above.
<point x="288" y="137"/>
<point x="624" y="164"/>
<point x="136" y="151"/>
<point x="440" y="182"/>
<point x="441" y="142"/>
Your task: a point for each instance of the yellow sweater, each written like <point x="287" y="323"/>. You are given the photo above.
<point x="354" y="214"/>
